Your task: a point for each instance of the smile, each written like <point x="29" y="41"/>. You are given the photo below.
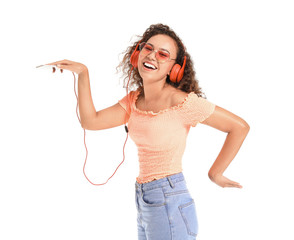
<point x="149" y="66"/>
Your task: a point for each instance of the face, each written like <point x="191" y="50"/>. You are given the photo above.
<point x="159" y="42"/>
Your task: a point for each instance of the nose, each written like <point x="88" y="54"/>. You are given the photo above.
<point x="152" y="55"/>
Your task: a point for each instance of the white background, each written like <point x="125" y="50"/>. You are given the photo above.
<point x="243" y="56"/>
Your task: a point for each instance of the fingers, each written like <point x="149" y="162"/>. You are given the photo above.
<point x="54" y="70"/>
<point x="68" y="65"/>
<point x="225" y="182"/>
<point x="60" y="64"/>
<point x="64" y="61"/>
<point x="233" y="184"/>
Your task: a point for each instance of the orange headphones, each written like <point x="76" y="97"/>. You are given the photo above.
<point x="176" y="73"/>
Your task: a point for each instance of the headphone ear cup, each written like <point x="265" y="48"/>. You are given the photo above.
<point x="177" y="72"/>
<point x="134" y="58"/>
<point x="181" y="72"/>
<point x="174" y="73"/>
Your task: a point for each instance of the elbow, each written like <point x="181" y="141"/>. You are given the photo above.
<point x="89" y="126"/>
<point x="86" y="123"/>
<point x="212" y="173"/>
<point x="246" y="126"/>
<point x="244" y="129"/>
<point x="243" y="126"/>
<point x="210" y="176"/>
<point x="84" y="126"/>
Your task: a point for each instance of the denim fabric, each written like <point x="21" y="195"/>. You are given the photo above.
<point x="166" y="210"/>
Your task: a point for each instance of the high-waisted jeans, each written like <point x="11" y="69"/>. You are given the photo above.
<point x="166" y="210"/>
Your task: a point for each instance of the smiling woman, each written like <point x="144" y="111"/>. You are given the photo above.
<point x="187" y="84"/>
<point x="166" y="103"/>
<point x="159" y="113"/>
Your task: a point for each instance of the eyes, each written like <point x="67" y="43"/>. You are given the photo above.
<point x="161" y="55"/>
<point x="147" y="47"/>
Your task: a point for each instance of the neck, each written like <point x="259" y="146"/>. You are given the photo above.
<point x="154" y="91"/>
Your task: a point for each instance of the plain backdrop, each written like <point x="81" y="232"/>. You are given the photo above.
<point x="243" y="58"/>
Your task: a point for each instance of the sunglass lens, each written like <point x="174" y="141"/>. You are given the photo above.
<point x="162" y="56"/>
<point x="147" y="48"/>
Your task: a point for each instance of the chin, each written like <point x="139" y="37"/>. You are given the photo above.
<point x="146" y="75"/>
<point x="150" y="76"/>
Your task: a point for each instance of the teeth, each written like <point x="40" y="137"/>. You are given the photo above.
<point x="149" y="65"/>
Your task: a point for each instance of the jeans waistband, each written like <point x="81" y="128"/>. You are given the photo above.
<point x="169" y="180"/>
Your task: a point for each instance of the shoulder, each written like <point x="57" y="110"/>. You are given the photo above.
<point x="133" y="94"/>
<point x="178" y="96"/>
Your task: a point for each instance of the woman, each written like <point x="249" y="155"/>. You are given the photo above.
<point x="159" y="113"/>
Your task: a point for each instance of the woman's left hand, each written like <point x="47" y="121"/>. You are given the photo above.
<point x="222" y="181"/>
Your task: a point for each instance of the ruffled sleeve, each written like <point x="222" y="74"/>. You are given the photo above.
<point x="127" y="99"/>
<point x="197" y="109"/>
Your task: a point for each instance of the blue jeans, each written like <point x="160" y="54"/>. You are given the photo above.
<point x="166" y="210"/>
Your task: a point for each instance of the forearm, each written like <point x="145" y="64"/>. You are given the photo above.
<point x="86" y="106"/>
<point x="229" y="150"/>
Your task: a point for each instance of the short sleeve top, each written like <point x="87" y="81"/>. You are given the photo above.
<point x="161" y="137"/>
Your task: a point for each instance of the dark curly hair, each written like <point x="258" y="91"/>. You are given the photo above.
<point x="188" y="84"/>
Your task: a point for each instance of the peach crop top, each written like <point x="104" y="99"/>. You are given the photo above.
<point x="161" y="137"/>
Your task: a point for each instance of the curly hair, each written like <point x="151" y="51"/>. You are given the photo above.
<point x="188" y="84"/>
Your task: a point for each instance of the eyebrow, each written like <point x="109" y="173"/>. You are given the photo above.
<point x="159" y="48"/>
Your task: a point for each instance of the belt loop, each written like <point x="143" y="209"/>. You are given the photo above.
<point x="170" y="182"/>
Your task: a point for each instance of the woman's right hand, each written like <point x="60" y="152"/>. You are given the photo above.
<point x="76" y="67"/>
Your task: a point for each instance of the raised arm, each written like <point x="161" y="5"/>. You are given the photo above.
<point x="112" y="116"/>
